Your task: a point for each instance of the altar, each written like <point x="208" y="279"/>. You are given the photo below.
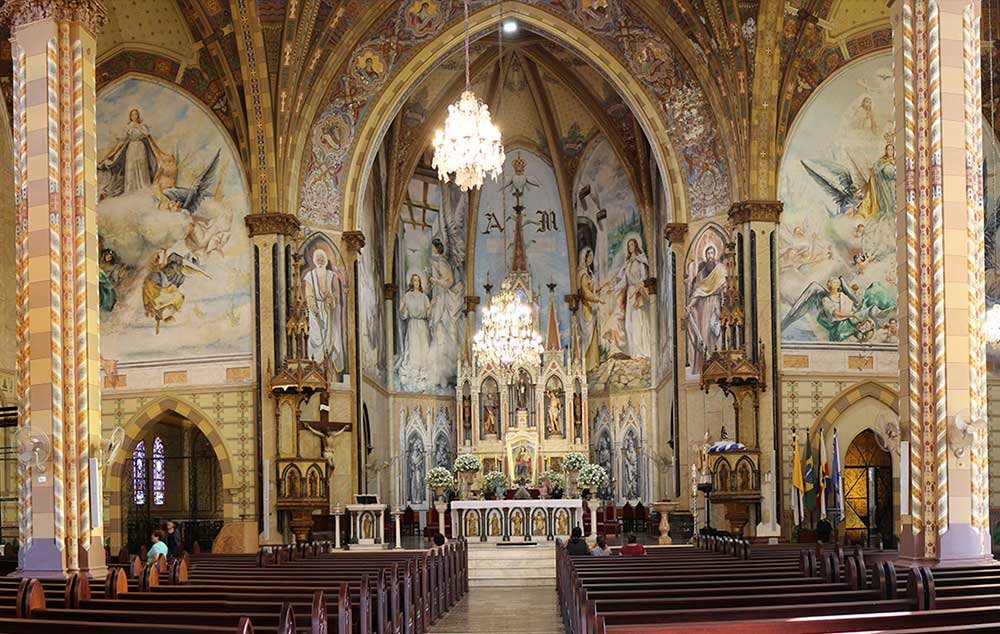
<point x="516" y="520"/>
<point x="367" y="523"/>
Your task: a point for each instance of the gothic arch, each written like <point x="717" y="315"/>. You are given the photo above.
<point x="133" y="430"/>
<point x="343" y="171"/>
<point x="839" y="404"/>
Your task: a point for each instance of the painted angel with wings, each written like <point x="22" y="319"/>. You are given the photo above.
<point x="447" y="281"/>
<point x="846" y="188"/>
<point x="842" y="312"/>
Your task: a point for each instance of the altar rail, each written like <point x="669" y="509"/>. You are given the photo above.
<point x="512" y="520"/>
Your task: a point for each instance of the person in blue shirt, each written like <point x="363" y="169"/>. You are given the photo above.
<point x="158" y="548"/>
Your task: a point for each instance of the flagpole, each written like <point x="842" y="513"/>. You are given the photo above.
<point x="822" y="474"/>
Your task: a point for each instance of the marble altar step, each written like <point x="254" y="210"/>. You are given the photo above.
<point x="493" y="566"/>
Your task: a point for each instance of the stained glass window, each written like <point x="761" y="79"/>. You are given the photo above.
<point x="159" y="473"/>
<point x="139" y="473"/>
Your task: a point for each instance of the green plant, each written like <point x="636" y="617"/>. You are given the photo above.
<point x="440" y="477"/>
<point x="593" y="477"/>
<point x="495" y="482"/>
<point x="468" y="462"/>
<point x="574" y="461"/>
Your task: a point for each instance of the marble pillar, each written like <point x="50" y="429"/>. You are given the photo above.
<point x="55" y="178"/>
<point x="939" y="194"/>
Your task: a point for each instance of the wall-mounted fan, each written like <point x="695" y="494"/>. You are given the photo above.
<point x="33" y="448"/>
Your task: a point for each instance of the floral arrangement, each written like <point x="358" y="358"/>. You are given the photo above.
<point x="557" y="481"/>
<point x="574" y="461"/>
<point x="440" y="478"/>
<point x="593" y="477"/>
<point x="468" y="462"/>
<point x="495" y="482"/>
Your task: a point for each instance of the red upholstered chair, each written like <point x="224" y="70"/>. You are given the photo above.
<point x="628" y="517"/>
<point x="610" y="525"/>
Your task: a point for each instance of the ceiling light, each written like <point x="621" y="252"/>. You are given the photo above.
<point x="510" y="26"/>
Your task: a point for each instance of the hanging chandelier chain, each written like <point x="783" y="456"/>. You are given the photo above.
<point x="465" y="7"/>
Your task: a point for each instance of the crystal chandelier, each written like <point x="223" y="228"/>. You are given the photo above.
<point x="506" y="338"/>
<point x="469" y="146"/>
<point x="992" y="324"/>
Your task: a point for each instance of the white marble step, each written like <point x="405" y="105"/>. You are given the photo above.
<point x="512" y="573"/>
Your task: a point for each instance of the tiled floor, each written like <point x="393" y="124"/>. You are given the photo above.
<point x="502" y="610"/>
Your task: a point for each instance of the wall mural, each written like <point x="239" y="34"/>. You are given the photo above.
<point x="616" y="326"/>
<point x="430" y="273"/>
<point x="991" y="212"/>
<point x="618" y="26"/>
<point x="175" y="271"/>
<point x="704" y="280"/>
<point x="370" y="282"/>
<point x="544" y="234"/>
<point x="325" y="284"/>
<point x="838" y="232"/>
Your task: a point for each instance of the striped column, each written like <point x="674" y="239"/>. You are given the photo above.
<point x="939" y="193"/>
<point x="53" y="47"/>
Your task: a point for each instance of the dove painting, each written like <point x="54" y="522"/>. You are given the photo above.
<point x="838" y="235"/>
<point x="176" y="270"/>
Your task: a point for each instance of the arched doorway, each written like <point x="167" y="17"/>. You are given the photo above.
<point x="172" y="474"/>
<point x="868" y="490"/>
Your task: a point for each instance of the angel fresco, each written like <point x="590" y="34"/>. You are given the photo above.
<point x="161" y="291"/>
<point x="844" y="314"/>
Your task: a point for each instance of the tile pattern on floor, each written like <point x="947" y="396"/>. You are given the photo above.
<point x="503" y="610"/>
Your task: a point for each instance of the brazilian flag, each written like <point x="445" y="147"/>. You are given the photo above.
<point x="809" y="494"/>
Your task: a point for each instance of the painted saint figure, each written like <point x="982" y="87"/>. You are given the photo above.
<point x="131" y="164"/>
<point x="415" y="311"/>
<point x="704" y="306"/>
<point x="590" y="299"/>
<point x="490" y="416"/>
<point x="633" y="338"/>
<point x="324" y="300"/>
<point x="416" y="463"/>
<point x="630" y="467"/>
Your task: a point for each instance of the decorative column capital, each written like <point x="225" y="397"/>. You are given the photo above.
<point x="90" y="13"/>
<point x="675" y="232"/>
<point x="355" y="241"/>
<point x="272" y="223"/>
<point x="755" y="211"/>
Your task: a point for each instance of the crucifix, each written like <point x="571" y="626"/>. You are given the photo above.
<point x="326" y="430"/>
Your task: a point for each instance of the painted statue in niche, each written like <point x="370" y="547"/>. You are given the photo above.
<point x="371" y="276"/>
<point x="415" y="468"/>
<point x="490" y="404"/>
<point x="554" y="403"/>
<point x="442" y="451"/>
<point x="174" y="258"/>
<point x="532" y="177"/>
<point x="324" y="283"/>
<point x="431" y="267"/>
<point x="614" y="318"/>
<point x="605" y="458"/>
<point x="705" y="279"/>
<point x="838" y="231"/>
<point x="630" y="466"/>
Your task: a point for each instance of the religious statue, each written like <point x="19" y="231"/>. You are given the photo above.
<point x="494" y="530"/>
<point x="538" y="524"/>
<point x="561" y="527"/>
<point x="517" y="523"/>
<point x="490" y="422"/>
<point x="467" y="411"/>
<point x="417" y="466"/>
<point x="522" y="393"/>
<point x="577" y="409"/>
<point x="327" y="439"/>
<point x="366" y="526"/>
<point x="555" y="412"/>
<point x="630" y="465"/>
<point x="472" y="524"/>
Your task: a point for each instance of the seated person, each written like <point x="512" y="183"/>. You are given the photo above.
<point x="576" y="544"/>
<point x="633" y="547"/>
<point x="158" y="548"/>
<point x="601" y="549"/>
